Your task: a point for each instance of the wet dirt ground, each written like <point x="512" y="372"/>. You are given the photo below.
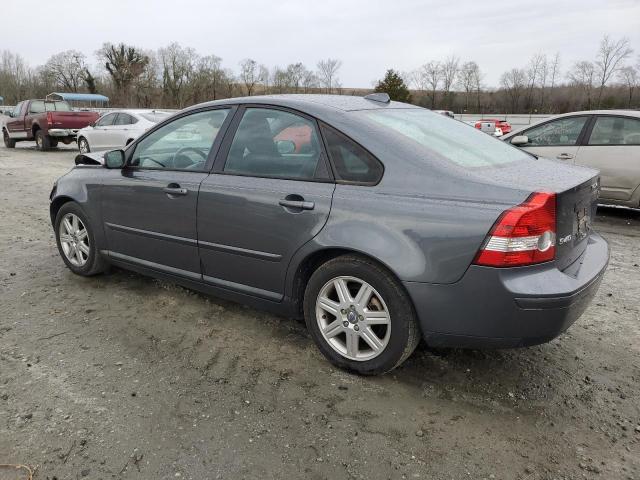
<point x="122" y="376"/>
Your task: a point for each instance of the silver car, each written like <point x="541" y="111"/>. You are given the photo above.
<point x="117" y="129"/>
<point x="608" y="140"/>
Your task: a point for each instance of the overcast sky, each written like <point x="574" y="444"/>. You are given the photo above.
<point x="369" y="36"/>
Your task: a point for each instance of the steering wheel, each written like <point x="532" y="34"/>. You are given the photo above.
<point x="152" y="160"/>
<point x="185" y="149"/>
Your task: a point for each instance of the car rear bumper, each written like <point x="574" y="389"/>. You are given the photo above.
<point x="509" y="307"/>
<point x="62" y="132"/>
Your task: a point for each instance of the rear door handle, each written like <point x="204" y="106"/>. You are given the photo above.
<point x="175" y="189"/>
<point x="297" y="204"/>
<point x="564" y="156"/>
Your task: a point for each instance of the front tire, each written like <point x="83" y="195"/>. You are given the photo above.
<point x="83" y="145"/>
<point x="360" y="316"/>
<point x="76" y="241"/>
<point x="8" y="141"/>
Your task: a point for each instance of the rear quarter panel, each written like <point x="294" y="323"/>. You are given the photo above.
<point x="420" y="239"/>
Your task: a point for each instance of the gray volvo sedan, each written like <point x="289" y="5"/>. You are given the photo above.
<point x="379" y="222"/>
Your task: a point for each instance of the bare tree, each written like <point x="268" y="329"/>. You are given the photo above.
<point x="432" y="76"/>
<point x="124" y="64"/>
<point x="630" y="77"/>
<point x="514" y="83"/>
<point x="609" y="60"/>
<point x="582" y="75"/>
<point x="265" y="78"/>
<point x="468" y="79"/>
<point x="67" y="69"/>
<point x="178" y="70"/>
<point x="309" y="81"/>
<point x="208" y="78"/>
<point x="328" y="74"/>
<point x="449" y="74"/>
<point x="534" y="71"/>
<point x="229" y="83"/>
<point x="249" y="74"/>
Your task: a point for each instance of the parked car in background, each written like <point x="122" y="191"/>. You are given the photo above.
<point x="487" y="126"/>
<point x="46" y="122"/>
<point x="503" y="125"/>
<point x="117" y="129"/>
<point x="393" y="223"/>
<point x="608" y="140"/>
<point x="448" y="113"/>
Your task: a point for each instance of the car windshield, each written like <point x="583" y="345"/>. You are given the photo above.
<point x="449" y="139"/>
<point x="155" y="117"/>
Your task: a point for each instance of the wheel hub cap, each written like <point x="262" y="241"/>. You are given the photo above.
<point x="353" y="318"/>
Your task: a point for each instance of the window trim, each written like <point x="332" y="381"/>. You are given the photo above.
<point x="593" y="124"/>
<point x="579" y="140"/>
<point x="333" y="167"/>
<point x="131" y="148"/>
<point x="221" y="158"/>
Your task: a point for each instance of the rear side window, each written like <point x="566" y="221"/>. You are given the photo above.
<point x="125" y="119"/>
<point x="615" y="131"/>
<point x="351" y="162"/>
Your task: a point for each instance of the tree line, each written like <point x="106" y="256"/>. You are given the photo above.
<point x="176" y="76"/>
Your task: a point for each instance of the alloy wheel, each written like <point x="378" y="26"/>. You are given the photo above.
<point x="83" y="146"/>
<point x="74" y="239"/>
<point x="353" y="318"/>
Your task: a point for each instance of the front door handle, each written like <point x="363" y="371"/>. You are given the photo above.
<point x="297" y="204"/>
<point x="175" y="189"/>
<point x="564" y="156"/>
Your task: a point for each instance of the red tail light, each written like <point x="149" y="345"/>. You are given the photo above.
<point x="50" y="118"/>
<point x="522" y="235"/>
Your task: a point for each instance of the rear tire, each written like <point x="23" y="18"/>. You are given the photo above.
<point x="366" y="333"/>
<point x="43" y="142"/>
<point x="8" y="141"/>
<point x="76" y="241"/>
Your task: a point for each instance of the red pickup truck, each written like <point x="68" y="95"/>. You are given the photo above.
<point x="46" y="122"/>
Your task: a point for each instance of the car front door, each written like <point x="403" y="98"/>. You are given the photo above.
<point x="149" y="207"/>
<point x="270" y="193"/>
<point x="557" y="139"/>
<point x="613" y="147"/>
<point x="15" y="126"/>
<point x="99" y="135"/>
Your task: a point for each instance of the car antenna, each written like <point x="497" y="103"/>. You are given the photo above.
<point x="378" y="97"/>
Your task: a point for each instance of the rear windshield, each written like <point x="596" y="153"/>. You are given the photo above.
<point x="450" y="139"/>
<point x="40" y="106"/>
<point x="155" y="117"/>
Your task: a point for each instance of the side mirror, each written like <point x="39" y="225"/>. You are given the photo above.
<point x="520" y="140"/>
<point x="114" y="159"/>
<point x="285" y="146"/>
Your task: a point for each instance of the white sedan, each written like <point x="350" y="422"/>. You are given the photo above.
<point x="117" y="129"/>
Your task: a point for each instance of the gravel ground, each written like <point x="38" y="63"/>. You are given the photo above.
<point x="123" y="376"/>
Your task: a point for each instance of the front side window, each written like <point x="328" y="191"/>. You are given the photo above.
<point x="106" y="120"/>
<point x="352" y="163"/>
<point x="615" y="131"/>
<point x="561" y="132"/>
<point x="183" y="144"/>
<point x="17" y="110"/>
<point x="274" y="143"/>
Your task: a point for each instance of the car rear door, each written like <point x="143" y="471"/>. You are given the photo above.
<point x="557" y="139"/>
<point x="270" y="193"/>
<point x="118" y="135"/>
<point x="612" y="146"/>
<point x="149" y="207"/>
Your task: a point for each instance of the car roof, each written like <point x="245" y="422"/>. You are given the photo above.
<point x="312" y="102"/>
